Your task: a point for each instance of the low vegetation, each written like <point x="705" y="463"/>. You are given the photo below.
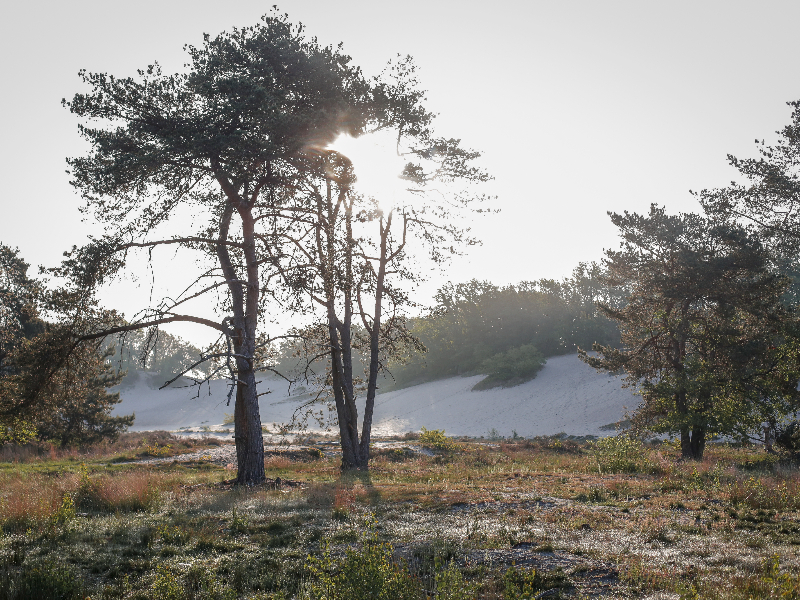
<point x="552" y="517"/>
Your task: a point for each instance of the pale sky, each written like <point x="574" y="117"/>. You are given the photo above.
<point x="579" y="107"/>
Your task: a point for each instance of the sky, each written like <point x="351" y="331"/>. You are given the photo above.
<point x="578" y="107"/>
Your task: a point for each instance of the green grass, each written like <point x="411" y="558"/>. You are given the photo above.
<point x="506" y="520"/>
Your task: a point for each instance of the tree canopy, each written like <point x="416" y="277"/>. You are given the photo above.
<point x="706" y="338"/>
<point x="770" y="197"/>
<point x="231" y="160"/>
<point x="71" y="406"/>
<point x="476" y="321"/>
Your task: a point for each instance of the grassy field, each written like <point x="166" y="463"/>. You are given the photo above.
<point x="434" y="518"/>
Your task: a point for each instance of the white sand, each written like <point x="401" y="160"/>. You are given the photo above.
<point x="567" y="396"/>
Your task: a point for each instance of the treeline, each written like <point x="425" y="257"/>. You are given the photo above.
<point x="478" y="327"/>
<point x="158" y="351"/>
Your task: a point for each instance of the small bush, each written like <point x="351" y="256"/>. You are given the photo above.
<point x="620" y="454"/>
<point x="595" y="494"/>
<point x="34" y="501"/>
<point x="435" y="439"/>
<point x="40" y="581"/>
<point x="174" y="535"/>
<point x="769" y="584"/>
<point x="511" y="368"/>
<point x="127" y="492"/>
<point x="763" y="493"/>
<point x="521" y="584"/>
<point x="788" y="439"/>
<point x="450" y="585"/>
<point x="362" y="574"/>
<point x="167" y="586"/>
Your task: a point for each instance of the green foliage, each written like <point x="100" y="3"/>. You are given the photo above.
<point x="788" y="439"/>
<point x="435" y="439"/>
<point x="16" y="430"/>
<point x="450" y="585"/>
<point x="366" y="573"/>
<point x="769" y="584"/>
<point x="83" y="414"/>
<point x="707" y="339"/>
<point x="198" y="583"/>
<point x="173" y="535"/>
<point x="157" y="450"/>
<point x="513" y="367"/>
<point x="622" y="453"/>
<point x="40" y="581"/>
<point x="522" y="584"/>
<point x="475" y="321"/>
<point x="65" y="511"/>
<point x="239" y="523"/>
<point x="68" y="405"/>
<point x="155" y="350"/>
<point x="167" y="586"/>
<point x="19" y="321"/>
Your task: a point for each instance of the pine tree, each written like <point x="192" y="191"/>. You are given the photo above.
<point x="82" y="415"/>
<point x="706" y="338"/>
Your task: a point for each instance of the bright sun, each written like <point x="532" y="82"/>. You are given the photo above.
<point x="376" y="164"/>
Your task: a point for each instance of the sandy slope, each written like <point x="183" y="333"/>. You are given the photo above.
<point x="566" y="396"/>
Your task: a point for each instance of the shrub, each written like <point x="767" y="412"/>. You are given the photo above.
<point x="435" y="439"/>
<point x="763" y="493"/>
<point x="167" y="586"/>
<point x="200" y="583"/>
<point x="40" y="581"/>
<point x="770" y="583"/>
<point x="128" y="492"/>
<point x="514" y="367"/>
<point x="620" y="454"/>
<point x="521" y="584"/>
<point x="450" y="585"/>
<point x="788" y="439"/>
<point x="32" y="501"/>
<point x="362" y="574"/>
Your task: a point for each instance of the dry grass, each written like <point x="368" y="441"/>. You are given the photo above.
<point x="671" y="524"/>
<point x="27" y="501"/>
<point x="128" y="446"/>
<point x="32" y="500"/>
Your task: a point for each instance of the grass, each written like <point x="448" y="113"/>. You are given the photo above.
<point x="512" y="519"/>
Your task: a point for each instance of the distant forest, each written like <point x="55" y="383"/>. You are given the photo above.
<point x="475" y="325"/>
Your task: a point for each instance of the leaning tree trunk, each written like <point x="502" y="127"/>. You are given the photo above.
<point x="374" y="348"/>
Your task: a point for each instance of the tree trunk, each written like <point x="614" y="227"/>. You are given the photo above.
<point x="249" y="438"/>
<point x="239" y="430"/>
<point x="693" y="443"/>
<point x="247" y="420"/>
<point x="374" y="347"/>
<point x="348" y="424"/>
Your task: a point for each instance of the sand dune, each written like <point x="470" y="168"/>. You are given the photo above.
<point x="567" y="396"/>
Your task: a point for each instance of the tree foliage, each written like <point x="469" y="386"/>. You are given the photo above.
<point x="241" y="142"/>
<point x="69" y="404"/>
<point x="354" y="252"/>
<point x="770" y="197"/>
<point x="512" y="367"/>
<point x="81" y="416"/>
<point x="157" y="350"/>
<point x="706" y="338"/>
<point x="477" y="320"/>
